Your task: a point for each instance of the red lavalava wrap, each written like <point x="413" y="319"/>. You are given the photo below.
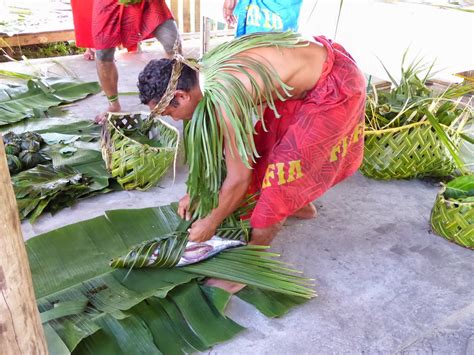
<point x="316" y="143"/>
<point x="103" y="24"/>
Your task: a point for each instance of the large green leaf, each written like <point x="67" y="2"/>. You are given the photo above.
<point x="271" y="304"/>
<point x="41" y="94"/>
<point x="86" y="131"/>
<point x="44" y="186"/>
<point x="461" y="187"/>
<point x="86" y="161"/>
<point x="70" y="269"/>
<point x="71" y="264"/>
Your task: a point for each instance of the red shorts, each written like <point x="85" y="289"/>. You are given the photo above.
<point x="114" y="24"/>
<point x="316" y="143"/>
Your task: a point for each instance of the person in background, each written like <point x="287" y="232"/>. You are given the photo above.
<point x="251" y="16"/>
<point x="82" y="18"/>
<point x="107" y="24"/>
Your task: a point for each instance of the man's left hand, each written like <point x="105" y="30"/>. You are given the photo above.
<point x="202" y="230"/>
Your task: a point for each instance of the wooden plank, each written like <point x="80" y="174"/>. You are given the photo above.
<point x="186" y="16"/>
<point x="25" y="39"/>
<point x="175" y="10"/>
<point x="20" y="327"/>
<point x="197" y="15"/>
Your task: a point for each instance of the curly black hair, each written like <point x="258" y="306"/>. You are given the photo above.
<point x="153" y="80"/>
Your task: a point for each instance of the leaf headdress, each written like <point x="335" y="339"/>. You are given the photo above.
<point x="224" y="92"/>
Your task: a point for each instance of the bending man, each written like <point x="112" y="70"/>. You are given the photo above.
<point x="309" y="136"/>
<point x="116" y="25"/>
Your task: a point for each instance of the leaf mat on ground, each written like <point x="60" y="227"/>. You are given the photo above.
<point x="19" y="102"/>
<point x="148" y="309"/>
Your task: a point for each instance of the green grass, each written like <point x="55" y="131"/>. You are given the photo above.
<point x="47" y="50"/>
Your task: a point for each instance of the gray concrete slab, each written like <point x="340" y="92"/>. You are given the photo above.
<point x="386" y="284"/>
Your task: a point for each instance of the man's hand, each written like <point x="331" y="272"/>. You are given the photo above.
<point x="183" y="208"/>
<point x="202" y="230"/>
<point x="228" y="12"/>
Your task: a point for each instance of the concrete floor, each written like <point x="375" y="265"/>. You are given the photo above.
<point x="386" y="284"/>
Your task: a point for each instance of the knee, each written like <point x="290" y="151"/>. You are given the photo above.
<point x="167" y="34"/>
<point x="105" y="55"/>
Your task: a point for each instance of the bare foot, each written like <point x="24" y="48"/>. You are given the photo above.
<point x="113" y="107"/>
<point x="229" y="286"/>
<point x="307" y="212"/>
<point x="89" y="54"/>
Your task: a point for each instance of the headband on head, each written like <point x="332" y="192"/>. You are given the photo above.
<point x="173" y="83"/>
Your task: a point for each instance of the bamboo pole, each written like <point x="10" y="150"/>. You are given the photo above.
<point x="20" y="327"/>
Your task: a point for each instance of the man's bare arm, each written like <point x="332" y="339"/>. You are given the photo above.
<point x="232" y="192"/>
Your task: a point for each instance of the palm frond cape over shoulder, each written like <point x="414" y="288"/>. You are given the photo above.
<point x="223" y="92"/>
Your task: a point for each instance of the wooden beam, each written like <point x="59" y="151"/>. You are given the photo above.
<point x="175" y="11"/>
<point x="25" y="39"/>
<point x="186" y="16"/>
<point x="197" y="15"/>
<point x="20" y="327"/>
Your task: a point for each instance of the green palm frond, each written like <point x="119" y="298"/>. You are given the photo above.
<point x="224" y="93"/>
<point x="414" y="130"/>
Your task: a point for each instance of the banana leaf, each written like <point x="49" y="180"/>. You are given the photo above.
<point x="89" y="307"/>
<point x="19" y="102"/>
<point x="87" y="131"/>
<point x="460" y="188"/>
<point x="271" y="304"/>
<point x="45" y="186"/>
<point x="87" y="161"/>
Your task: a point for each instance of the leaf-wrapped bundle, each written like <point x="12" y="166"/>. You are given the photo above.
<point x="12" y="148"/>
<point x="30" y="145"/>
<point x="14" y="164"/>
<point x="30" y="159"/>
<point x="45" y="186"/>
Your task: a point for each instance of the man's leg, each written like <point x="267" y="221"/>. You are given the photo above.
<point x="260" y="236"/>
<point x="307" y="212"/>
<point x="167" y="34"/>
<point x="108" y="78"/>
<point x="89" y="54"/>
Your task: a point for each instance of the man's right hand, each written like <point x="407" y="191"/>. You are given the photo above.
<point x="183" y="208"/>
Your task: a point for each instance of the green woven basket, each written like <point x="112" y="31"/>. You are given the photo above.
<point x="136" y="161"/>
<point x="453" y="220"/>
<point x="410" y="151"/>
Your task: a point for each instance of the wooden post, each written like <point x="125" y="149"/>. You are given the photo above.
<point x="20" y="327"/>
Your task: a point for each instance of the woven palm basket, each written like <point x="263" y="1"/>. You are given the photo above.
<point x="136" y="165"/>
<point x="409" y="151"/>
<point x="453" y="220"/>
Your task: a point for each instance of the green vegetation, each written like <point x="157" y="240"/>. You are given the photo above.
<point x="47" y="50"/>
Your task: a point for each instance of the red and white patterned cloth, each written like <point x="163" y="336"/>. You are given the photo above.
<point x="316" y="143"/>
<point x="103" y="24"/>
